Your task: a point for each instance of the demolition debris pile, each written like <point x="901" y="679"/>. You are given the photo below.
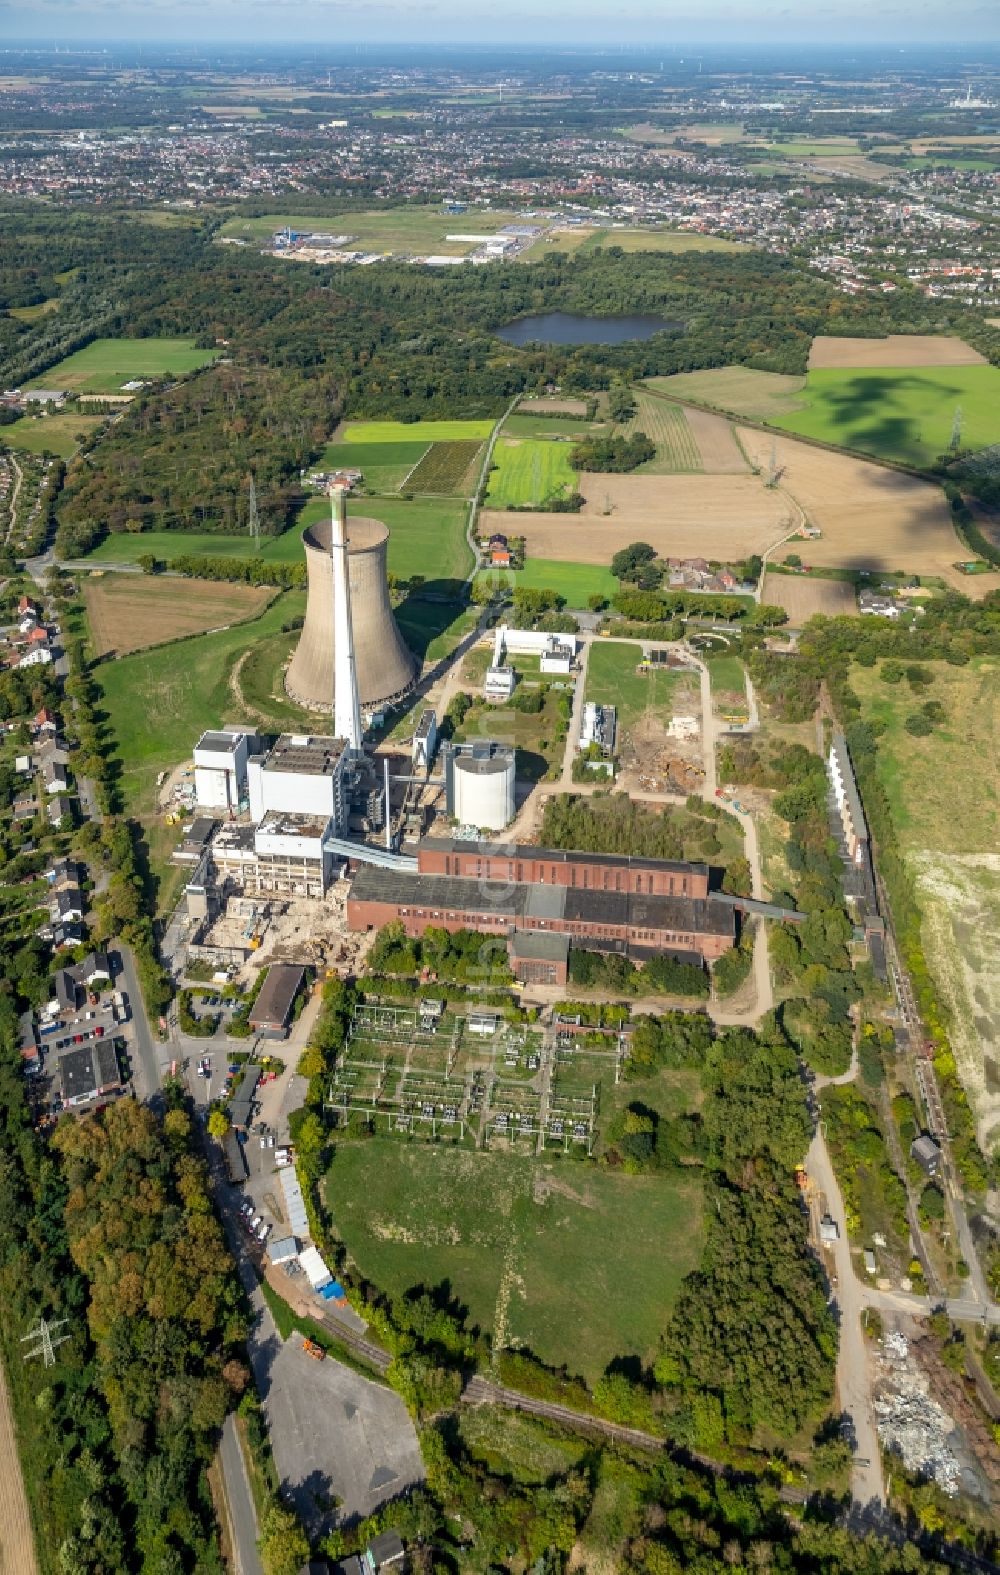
<point x="909" y="1422"/>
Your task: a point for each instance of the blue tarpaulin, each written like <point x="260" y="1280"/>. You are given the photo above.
<point x="334" y="1292"/>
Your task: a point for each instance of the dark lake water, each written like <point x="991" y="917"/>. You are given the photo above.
<point x="570" y="328"/>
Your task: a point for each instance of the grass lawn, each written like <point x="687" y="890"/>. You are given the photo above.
<point x="58" y="434"/>
<point x="534" y="736"/>
<point x="575" y="581"/>
<point x="522" y="424"/>
<point x="414" y="431"/>
<point x="105" y="364"/>
<point x="523" y="1242"/>
<point x="529" y="471"/>
<point x="31" y="314"/>
<point x="612" y="680"/>
<point x="903" y="413"/>
<point x="762" y="396"/>
<point x="166" y="545"/>
<point x="726" y="674"/>
<point x="426" y="535"/>
<point x="160" y="701"/>
<point x="383" y="465"/>
<point x="433" y="629"/>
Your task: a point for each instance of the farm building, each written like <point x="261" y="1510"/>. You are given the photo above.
<point x="272" y="1011"/>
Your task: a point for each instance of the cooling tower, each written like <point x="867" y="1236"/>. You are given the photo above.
<point x="385" y="667"/>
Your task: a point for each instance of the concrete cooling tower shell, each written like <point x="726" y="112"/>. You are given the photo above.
<point x="385" y="666"/>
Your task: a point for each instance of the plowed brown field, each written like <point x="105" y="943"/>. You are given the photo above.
<point x="17" y="1545"/>
<point x="724" y="517"/>
<point x="128" y="612"/>
<point x="895" y="350"/>
<point x="871" y="518"/>
<point x="802" y="596"/>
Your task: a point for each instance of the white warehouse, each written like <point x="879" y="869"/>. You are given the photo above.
<point x="220" y="768"/>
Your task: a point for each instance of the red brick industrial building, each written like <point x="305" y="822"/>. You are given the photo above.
<point x="605" y="902"/>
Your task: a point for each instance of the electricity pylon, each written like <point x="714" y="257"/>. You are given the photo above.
<point x="44" y="1345"/>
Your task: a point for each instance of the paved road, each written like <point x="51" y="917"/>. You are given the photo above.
<point x="566" y="783"/>
<point x="147" y="1075"/>
<point x="242" y="1513"/>
<point x="853" y="1376"/>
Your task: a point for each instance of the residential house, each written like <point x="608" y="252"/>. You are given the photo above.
<point x="58" y="808"/>
<point x="25" y="807"/>
<point x="66" y="935"/>
<point x="45" y="721"/>
<point x="95" y="969"/>
<point x="28" y="1036"/>
<point x="64" y="872"/>
<point x="68" y="989"/>
<point x="66" y="905"/>
<point x="878" y="605"/>
<point x="926" y="1153"/>
<point x="26" y="607"/>
<point x="54" y="776"/>
<point x="39" y="656"/>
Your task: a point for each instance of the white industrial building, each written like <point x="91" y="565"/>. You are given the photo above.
<point x="479" y="783"/>
<point x="300" y="775"/>
<point x="220" y="768"/>
<point x="556" y="652"/>
<point x="498" y="685"/>
<point x="424" y="741"/>
<point x="599" y="726"/>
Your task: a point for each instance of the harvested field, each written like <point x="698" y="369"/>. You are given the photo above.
<point x="720" y="452"/>
<point x="725" y="517"/>
<point x="666" y="424"/>
<point x="128" y="612"/>
<point x="802" y="596"/>
<point x="553" y="407"/>
<point x="871" y="518"/>
<point x="760" y="396"/>
<point x="894" y="350"/>
<point x="17" y="1545"/>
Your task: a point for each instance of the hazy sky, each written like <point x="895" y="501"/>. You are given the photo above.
<point x="659" y="23"/>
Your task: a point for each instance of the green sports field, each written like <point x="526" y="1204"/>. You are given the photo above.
<point x="413" y="432"/>
<point x="523" y="1243"/>
<point x="901" y="413"/>
<point x="529" y="472"/>
<point x="105" y="364"/>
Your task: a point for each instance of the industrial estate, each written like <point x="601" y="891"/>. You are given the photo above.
<point x="498" y="810"/>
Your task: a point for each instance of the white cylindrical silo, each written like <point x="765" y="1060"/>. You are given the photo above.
<point x="484" y="790"/>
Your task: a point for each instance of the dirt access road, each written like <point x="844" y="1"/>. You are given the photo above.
<point x="17" y="1544"/>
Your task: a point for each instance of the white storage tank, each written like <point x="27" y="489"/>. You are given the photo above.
<point x="479" y="784"/>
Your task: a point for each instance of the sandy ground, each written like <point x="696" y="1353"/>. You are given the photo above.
<point x="895" y="350"/>
<point x="684" y="516"/>
<point x="129" y="612"/>
<point x="801" y="596"/>
<point x="719" y="450"/>
<point x="871" y="517"/>
<point x="17" y="1545"/>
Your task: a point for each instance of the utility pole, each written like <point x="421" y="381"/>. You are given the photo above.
<point x="43" y="1343"/>
<point x="253" y="520"/>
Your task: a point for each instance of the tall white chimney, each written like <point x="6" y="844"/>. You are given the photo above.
<point x="346" y="703"/>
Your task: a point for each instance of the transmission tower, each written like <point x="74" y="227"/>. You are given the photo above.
<point x="956" y="431"/>
<point x="253" y="521"/>
<point x="43" y="1343"/>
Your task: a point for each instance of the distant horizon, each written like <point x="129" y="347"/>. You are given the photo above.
<point x="429" y="26"/>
